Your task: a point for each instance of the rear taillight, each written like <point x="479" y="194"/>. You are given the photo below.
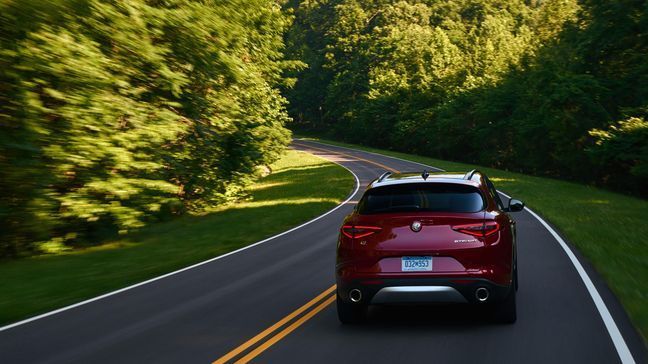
<point x="478" y="229"/>
<point x="357" y="231"/>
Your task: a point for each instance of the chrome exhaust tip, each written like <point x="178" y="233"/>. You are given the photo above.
<point x="355" y="295"/>
<point x="481" y="294"/>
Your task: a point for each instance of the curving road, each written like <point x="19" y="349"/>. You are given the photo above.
<point x="272" y="302"/>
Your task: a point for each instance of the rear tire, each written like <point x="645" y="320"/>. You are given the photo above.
<point x="506" y="311"/>
<point x="350" y="313"/>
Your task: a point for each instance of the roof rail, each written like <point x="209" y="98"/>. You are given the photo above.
<point x="383" y="176"/>
<point x="469" y="175"/>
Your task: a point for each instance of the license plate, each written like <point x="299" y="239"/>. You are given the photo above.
<point x="416" y="264"/>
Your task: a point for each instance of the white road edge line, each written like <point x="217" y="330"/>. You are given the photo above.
<point x="613" y="330"/>
<point x="66" y="308"/>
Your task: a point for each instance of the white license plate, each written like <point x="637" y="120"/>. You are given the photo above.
<point x="416" y="264"/>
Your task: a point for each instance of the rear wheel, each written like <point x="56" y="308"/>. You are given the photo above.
<point x="350" y="313"/>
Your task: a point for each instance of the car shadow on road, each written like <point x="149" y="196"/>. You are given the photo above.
<point x="429" y="316"/>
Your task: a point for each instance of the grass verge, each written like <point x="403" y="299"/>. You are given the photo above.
<point x="284" y="199"/>
<point x="608" y="228"/>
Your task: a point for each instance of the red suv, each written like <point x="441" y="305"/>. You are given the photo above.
<point x="428" y="238"/>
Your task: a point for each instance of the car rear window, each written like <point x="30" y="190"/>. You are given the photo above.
<point x="411" y="197"/>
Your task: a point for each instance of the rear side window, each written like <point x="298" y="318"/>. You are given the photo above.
<point x="411" y="197"/>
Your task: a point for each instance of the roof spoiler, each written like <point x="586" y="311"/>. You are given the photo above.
<point x="468" y="176"/>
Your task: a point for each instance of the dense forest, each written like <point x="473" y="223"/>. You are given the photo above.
<point x="114" y="114"/>
<point x="555" y="87"/>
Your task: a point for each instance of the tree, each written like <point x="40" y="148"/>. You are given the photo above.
<point x="114" y="113"/>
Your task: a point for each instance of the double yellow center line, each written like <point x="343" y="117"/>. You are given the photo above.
<point x="268" y="337"/>
<point x="324" y="299"/>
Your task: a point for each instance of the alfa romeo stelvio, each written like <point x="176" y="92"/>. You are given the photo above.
<point x="428" y="238"/>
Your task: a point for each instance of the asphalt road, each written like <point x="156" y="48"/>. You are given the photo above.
<point x="203" y="313"/>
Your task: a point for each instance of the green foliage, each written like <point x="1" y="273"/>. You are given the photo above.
<point x="115" y="113"/>
<point x="510" y="84"/>
<point x="623" y="148"/>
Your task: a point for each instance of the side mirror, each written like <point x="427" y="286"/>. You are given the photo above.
<point x="515" y="205"/>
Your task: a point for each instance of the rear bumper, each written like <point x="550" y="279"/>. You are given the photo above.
<point x="421" y="290"/>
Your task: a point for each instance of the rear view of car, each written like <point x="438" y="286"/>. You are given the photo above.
<point x="428" y="238"/>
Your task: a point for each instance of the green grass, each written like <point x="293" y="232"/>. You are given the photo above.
<point x="284" y="199"/>
<point x="608" y="228"/>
